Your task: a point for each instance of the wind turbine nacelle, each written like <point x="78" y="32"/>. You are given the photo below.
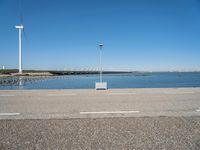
<point x="19" y="27"/>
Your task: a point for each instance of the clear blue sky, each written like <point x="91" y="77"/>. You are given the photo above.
<point x="148" y="35"/>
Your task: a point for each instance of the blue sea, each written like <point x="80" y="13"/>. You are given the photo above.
<point x="129" y="80"/>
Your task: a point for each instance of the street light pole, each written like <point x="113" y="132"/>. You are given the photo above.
<point x="100" y="85"/>
<point x="100" y="61"/>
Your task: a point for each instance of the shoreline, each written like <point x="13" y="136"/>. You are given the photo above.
<point x="109" y="89"/>
<point x="186" y="90"/>
<point x="93" y="89"/>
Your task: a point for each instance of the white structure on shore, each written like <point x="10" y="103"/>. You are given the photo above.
<point x="20" y="28"/>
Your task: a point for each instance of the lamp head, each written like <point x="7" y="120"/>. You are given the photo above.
<point x="101" y="45"/>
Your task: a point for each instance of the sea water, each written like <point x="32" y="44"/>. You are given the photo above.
<point x="128" y="80"/>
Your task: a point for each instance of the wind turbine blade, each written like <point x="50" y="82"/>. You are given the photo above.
<point x="20" y="12"/>
<point x="25" y="36"/>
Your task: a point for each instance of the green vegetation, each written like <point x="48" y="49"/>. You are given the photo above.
<point x="34" y="71"/>
<point x="8" y="71"/>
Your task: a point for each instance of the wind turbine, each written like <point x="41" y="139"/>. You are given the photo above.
<point x="20" y="28"/>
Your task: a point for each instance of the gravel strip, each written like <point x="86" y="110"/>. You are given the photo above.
<point x="110" y="133"/>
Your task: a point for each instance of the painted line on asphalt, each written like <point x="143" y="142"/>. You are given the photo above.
<point x="5" y="95"/>
<point x="9" y="114"/>
<point x="109" y="112"/>
<point x="178" y="93"/>
<point x="61" y="94"/>
<point x="167" y="93"/>
<point x="121" y="93"/>
<point x="198" y="110"/>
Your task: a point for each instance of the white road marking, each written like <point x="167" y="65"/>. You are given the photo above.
<point x="110" y="112"/>
<point x="178" y="93"/>
<point x="70" y="94"/>
<point x="121" y="93"/>
<point x="4" y="95"/>
<point x="167" y="93"/>
<point x="198" y="110"/>
<point x="9" y="114"/>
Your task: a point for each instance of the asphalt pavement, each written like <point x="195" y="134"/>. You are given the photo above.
<point x="89" y="119"/>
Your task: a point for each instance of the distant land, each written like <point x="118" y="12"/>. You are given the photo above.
<point x="14" y="72"/>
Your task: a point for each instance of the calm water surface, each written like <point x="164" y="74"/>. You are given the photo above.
<point x="145" y="80"/>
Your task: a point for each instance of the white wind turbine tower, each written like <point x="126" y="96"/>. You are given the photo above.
<point x="20" y="28"/>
